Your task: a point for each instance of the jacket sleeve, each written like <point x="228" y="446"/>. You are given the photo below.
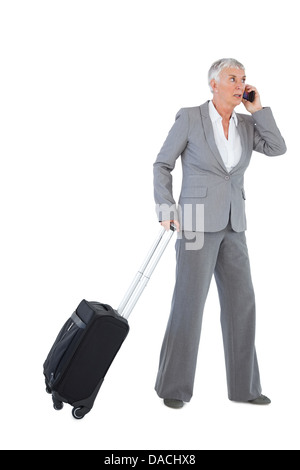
<point x="267" y="137"/>
<point x="172" y="148"/>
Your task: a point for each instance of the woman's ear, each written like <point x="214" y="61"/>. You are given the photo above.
<point x="214" y="85"/>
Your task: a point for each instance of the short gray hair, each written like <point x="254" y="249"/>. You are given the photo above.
<point x="221" y="64"/>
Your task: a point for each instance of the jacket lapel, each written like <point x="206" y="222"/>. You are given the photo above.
<point x="209" y="134"/>
<point x="243" y="135"/>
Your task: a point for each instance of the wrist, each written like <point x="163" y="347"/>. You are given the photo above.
<point x="257" y="109"/>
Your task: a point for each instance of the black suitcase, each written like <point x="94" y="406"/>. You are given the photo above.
<point x="88" y="342"/>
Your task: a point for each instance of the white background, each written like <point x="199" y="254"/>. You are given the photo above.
<point x="89" y="91"/>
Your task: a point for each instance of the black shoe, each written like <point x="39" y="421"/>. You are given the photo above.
<point x="172" y="403"/>
<point x="262" y="400"/>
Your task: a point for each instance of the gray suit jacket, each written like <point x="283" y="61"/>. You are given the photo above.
<point x="206" y="180"/>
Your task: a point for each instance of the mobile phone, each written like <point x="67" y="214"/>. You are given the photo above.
<point x="249" y="96"/>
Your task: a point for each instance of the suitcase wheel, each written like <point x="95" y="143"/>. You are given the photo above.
<point x="80" y="412"/>
<point x="57" y="405"/>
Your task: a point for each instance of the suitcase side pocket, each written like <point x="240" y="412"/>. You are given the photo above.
<point x="61" y="351"/>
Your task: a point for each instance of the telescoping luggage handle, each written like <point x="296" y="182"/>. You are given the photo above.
<point x="144" y="273"/>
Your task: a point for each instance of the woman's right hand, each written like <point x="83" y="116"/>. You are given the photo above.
<point x="166" y="224"/>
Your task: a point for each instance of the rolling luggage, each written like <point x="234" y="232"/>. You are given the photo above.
<point x="89" y="340"/>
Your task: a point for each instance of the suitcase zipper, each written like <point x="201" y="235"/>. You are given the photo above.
<point x="71" y="326"/>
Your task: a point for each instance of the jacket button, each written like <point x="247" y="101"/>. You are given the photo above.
<point x="227" y="178"/>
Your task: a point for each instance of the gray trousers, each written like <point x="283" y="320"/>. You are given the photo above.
<point x="225" y="255"/>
